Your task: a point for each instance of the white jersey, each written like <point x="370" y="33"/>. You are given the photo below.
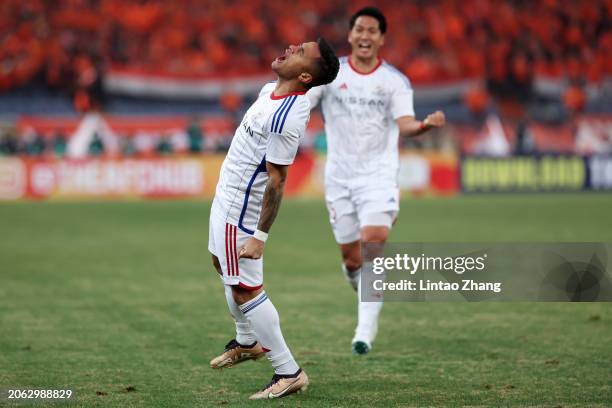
<point x="360" y="112"/>
<point x="270" y="131"/>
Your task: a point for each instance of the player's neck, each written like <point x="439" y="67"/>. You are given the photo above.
<point x="364" y="65"/>
<point x="287" y="87"/>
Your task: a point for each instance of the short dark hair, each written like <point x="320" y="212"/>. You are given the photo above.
<point x="370" y="12"/>
<point x="326" y="67"/>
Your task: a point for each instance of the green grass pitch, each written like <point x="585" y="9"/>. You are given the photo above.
<point x="119" y="302"/>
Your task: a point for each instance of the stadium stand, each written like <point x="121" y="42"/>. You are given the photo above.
<point x="431" y="41"/>
<point x="546" y="59"/>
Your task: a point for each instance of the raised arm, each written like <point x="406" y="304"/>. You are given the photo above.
<point x="273" y="195"/>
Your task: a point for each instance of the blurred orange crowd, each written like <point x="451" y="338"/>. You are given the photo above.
<point x="72" y="42"/>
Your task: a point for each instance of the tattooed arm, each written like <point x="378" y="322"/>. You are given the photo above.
<point x="277" y="174"/>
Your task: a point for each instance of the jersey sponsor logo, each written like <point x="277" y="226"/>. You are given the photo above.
<point x="247" y="128"/>
<point x="353" y="100"/>
<point x="344" y="86"/>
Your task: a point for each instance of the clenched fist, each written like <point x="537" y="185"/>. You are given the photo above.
<point x="252" y="249"/>
<point x="435" y="120"/>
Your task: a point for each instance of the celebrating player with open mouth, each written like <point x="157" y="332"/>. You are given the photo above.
<point x="247" y="199"/>
<point x="365" y="108"/>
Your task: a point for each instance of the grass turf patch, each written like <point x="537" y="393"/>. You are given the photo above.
<point x="119" y="302"/>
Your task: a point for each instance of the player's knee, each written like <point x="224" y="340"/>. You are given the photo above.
<point x="242" y="295"/>
<point x="352" y="264"/>
<point x="352" y="260"/>
<point x="375" y="234"/>
<point x="351" y="255"/>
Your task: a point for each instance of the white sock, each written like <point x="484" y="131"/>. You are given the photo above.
<point x="244" y="333"/>
<point x="264" y="320"/>
<point x="367" y="320"/>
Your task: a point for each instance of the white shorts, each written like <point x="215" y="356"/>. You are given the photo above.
<point x="351" y="210"/>
<point x="224" y="242"/>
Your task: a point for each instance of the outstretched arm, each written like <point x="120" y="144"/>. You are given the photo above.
<point x="409" y="126"/>
<point x="273" y="195"/>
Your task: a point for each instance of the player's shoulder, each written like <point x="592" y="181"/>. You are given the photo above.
<point x="292" y="112"/>
<point x="267" y="88"/>
<point x="302" y="102"/>
<point x="297" y="105"/>
<point x="394" y="75"/>
<point x="344" y="65"/>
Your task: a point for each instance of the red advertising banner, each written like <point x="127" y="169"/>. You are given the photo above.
<point x="191" y="177"/>
<point x="107" y="179"/>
